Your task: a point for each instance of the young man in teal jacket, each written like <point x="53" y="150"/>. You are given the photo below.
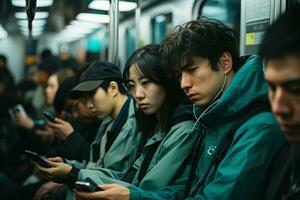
<point x="224" y="89"/>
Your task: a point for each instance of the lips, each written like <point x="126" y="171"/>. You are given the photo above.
<point x="191" y="96"/>
<point x="143" y="106"/>
<point x="289" y="128"/>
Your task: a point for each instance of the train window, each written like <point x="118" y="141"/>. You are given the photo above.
<point x="227" y="11"/>
<point x="130" y="41"/>
<point x="161" y="26"/>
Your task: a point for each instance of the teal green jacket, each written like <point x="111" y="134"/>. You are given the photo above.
<point x="242" y="172"/>
<point x="168" y="161"/>
<point x="121" y="154"/>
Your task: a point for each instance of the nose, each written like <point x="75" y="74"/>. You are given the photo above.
<point x="139" y="93"/>
<point x="89" y="104"/>
<point x="281" y="103"/>
<point x="185" y="81"/>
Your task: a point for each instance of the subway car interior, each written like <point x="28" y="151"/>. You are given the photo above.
<point x="45" y="43"/>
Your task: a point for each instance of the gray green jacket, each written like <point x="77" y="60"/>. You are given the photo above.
<point x="169" y="159"/>
<point x="121" y="154"/>
<point x="243" y="171"/>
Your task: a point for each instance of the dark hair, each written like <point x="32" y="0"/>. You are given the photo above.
<point x="148" y="61"/>
<point x="72" y="64"/>
<point x="63" y="93"/>
<point x="46" y="53"/>
<point x="3" y="59"/>
<point x="282" y="38"/>
<point x="204" y="37"/>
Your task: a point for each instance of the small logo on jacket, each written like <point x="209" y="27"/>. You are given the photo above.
<point x="211" y="150"/>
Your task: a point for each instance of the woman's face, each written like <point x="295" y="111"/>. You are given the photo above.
<point x="51" y="89"/>
<point x="149" y="95"/>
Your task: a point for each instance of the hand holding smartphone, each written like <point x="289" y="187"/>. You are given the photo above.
<point x="16" y="109"/>
<point x="49" y="116"/>
<point x="87" y="186"/>
<point x="37" y="158"/>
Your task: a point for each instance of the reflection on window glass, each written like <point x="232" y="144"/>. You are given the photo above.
<point x="130" y="41"/>
<point x="161" y="26"/>
<point x="227" y="11"/>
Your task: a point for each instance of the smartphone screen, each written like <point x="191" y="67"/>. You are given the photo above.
<point x="49" y="116"/>
<point x="37" y="158"/>
<point x="86" y="187"/>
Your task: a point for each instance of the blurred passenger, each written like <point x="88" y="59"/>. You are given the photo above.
<point x="101" y="89"/>
<point x="47" y="67"/>
<point x="280" y="50"/>
<point x="4" y="71"/>
<point x="231" y="109"/>
<point x="71" y="65"/>
<point x="46" y="53"/>
<point x="76" y="127"/>
<point x="169" y="126"/>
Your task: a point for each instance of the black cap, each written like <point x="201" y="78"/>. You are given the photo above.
<point x="94" y="76"/>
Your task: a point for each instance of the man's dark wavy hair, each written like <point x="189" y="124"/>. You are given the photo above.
<point x="204" y="37"/>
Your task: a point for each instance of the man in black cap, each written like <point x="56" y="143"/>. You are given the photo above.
<point x="101" y="88"/>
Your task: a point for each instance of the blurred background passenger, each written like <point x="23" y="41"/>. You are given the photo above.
<point x="280" y="50"/>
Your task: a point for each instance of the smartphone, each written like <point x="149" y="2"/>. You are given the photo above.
<point x="37" y="158"/>
<point x="49" y="116"/>
<point x="87" y="186"/>
<point x="16" y="109"/>
<point x="40" y="124"/>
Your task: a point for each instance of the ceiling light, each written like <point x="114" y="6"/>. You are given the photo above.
<point x="39" y="3"/>
<point x="104" y="5"/>
<point x="90" y="17"/>
<point x="38" y="28"/>
<point x="38" y="15"/>
<point x="34" y="22"/>
<point x="85" y="24"/>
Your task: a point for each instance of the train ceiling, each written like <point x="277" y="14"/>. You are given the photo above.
<point x="60" y="13"/>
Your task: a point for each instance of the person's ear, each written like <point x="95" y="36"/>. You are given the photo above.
<point x="226" y="63"/>
<point x="113" y="88"/>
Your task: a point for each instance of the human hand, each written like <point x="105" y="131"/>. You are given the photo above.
<point x="109" y="192"/>
<point x="23" y="121"/>
<point x="61" y="129"/>
<point x="45" y="189"/>
<point x="56" y="159"/>
<point x="46" y="134"/>
<point x="57" y="172"/>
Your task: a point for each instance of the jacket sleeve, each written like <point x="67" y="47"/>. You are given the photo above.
<point x="242" y="173"/>
<point x="74" y="163"/>
<point x="75" y="147"/>
<point x="175" y="191"/>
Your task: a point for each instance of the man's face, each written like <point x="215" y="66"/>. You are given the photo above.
<point x="200" y="82"/>
<point x="79" y="111"/>
<point x="283" y="77"/>
<point x="101" y="103"/>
